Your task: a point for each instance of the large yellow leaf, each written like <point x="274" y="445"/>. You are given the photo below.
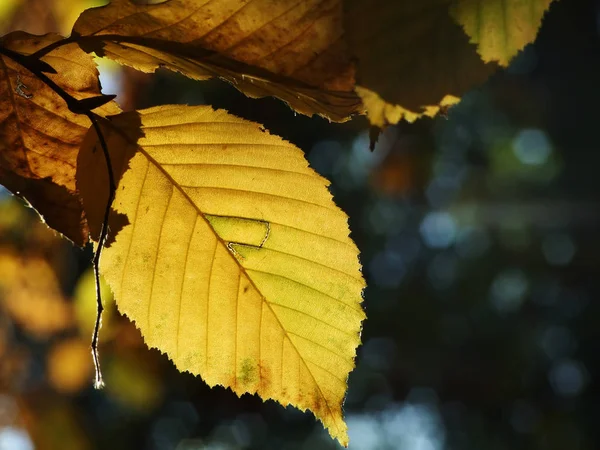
<point x="290" y="49"/>
<point x="236" y="263"/>
<point x="500" y="28"/>
<point x="39" y="136"/>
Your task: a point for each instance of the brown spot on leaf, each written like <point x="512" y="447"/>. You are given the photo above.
<point x="247" y="372"/>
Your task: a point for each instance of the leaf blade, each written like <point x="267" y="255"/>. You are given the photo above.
<point x="500" y="28"/>
<point x="288" y="49"/>
<point x="218" y="266"/>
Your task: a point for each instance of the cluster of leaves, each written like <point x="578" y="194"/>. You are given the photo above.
<point x="219" y="241"/>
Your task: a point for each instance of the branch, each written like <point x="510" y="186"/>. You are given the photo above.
<point x="85" y="106"/>
<point x="36" y="67"/>
<point x="50" y="47"/>
<point x="99" y="383"/>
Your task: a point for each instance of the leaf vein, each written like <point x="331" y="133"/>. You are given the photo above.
<point x="312" y="317"/>
<point x="153" y="279"/>
<point x="306" y="285"/>
<point x="267" y="194"/>
<point x="322" y="346"/>
<point x="182" y="288"/>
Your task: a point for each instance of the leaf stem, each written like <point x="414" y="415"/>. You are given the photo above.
<point x="32" y="63"/>
<point x="99" y="383"/>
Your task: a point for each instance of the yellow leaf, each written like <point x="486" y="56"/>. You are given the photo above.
<point x="285" y="48"/>
<point x="39" y="136"/>
<point x="500" y="28"/>
<point x="236" y="263"/>
<point x="381" y="114"/>
<point x="411" y="57"/>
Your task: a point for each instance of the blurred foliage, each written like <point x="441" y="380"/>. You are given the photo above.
<point x="479" y="240"/>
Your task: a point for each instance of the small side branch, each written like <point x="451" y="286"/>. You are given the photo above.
<point x="85" y="106"/>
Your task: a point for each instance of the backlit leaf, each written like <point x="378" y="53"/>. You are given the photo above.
<point x="39" y="136"/>
<point x="380" y="113"/>
<point x="285" y="48"/>
<point x="236" y="262"/>
<point x="500" y="28"/>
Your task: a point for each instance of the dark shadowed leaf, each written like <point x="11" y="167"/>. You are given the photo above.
<point x="39" y="136"/>
<point x="410" y="55"/>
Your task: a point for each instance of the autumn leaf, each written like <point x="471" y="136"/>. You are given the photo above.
<point x="500" y="28"/>
<point x="237" y="263"/>
<point x="39" y="136"/>
<point x="288" y="49"/>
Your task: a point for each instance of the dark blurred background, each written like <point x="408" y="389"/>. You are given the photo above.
<point x="479" y="240"/>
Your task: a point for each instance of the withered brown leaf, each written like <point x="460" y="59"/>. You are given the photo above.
<point x="39" y="136"/>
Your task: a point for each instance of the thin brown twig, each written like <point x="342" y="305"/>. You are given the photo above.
<point x="51" y="47"/>
<point x="76" y="106"/>
<point x="99" y="383"/>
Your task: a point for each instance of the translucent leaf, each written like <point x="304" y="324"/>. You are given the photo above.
<point x="500" y="28"/>
<point x="236" y="262"/>
<point x="288" y="49"/>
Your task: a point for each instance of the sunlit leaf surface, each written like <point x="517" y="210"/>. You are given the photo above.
<point x="289" y="49"/>
<point x="500" y="28"/>
<point x="236" y="262"/>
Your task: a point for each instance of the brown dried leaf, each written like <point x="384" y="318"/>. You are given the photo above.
<point x="285" y="48"/>
<point x="39" y="136"/>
